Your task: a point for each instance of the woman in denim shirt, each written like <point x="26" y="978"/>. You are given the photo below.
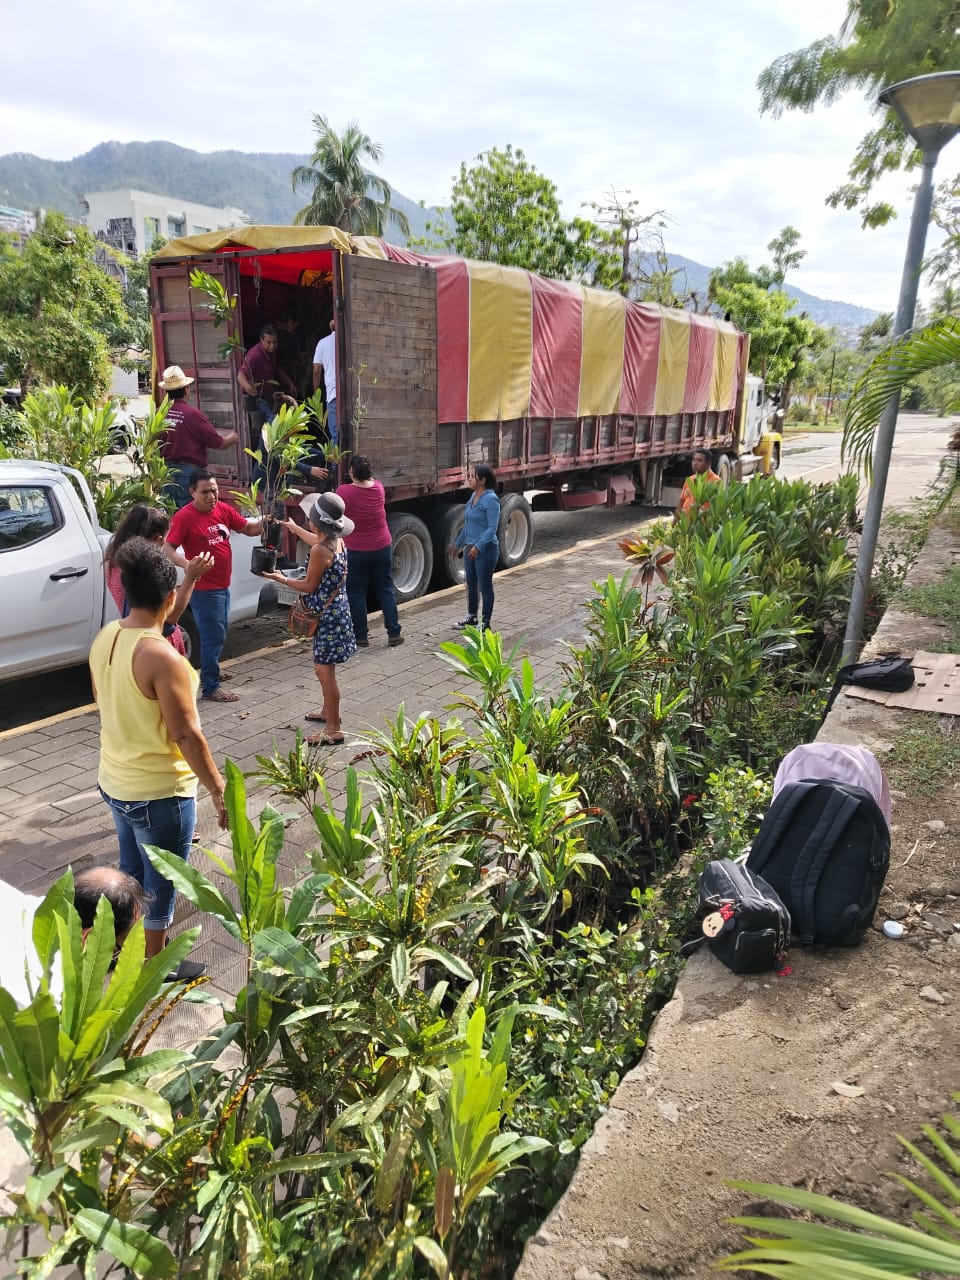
<point x="478" y="544"/>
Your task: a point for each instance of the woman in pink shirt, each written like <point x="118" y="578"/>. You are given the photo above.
<point x="369" y="552"/>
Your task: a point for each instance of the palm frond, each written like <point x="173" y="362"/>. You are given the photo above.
<point x="891" y="370"/>
<point x="877" y="1247"/>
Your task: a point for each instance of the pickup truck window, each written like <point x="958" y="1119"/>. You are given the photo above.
<point x="27" y="515"/>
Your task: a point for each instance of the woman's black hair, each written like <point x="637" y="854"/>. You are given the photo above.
<point x="360" y="466"/>
<point x="487" y="474"/>
<point x="140" y="521"/>
<point x="176" y="393"/>
<point x="147" y="575"/>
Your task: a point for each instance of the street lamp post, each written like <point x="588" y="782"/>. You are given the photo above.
<point x="929" y="110"/>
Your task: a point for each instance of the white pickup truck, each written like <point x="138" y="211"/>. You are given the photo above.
<point x="53" y="595"/>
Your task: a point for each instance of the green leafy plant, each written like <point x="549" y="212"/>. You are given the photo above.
<point x="283" y="442"/>
<point x="222" y="307"/>
<point x="58" y="426"/>
<point x="78" y="1088"/>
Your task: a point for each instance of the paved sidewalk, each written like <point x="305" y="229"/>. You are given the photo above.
<point x="52" y="816"/>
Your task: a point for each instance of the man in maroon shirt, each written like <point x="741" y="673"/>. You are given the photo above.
<point x="205" y="525"/>
<point x="188" y="436"/>
<point x="260" y="378"/>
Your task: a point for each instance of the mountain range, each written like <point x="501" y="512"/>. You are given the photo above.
<point x="259" y="183"/>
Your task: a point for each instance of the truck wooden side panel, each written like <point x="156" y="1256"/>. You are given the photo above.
<point x="185" y="334"/>
<point x="389" y="331"/>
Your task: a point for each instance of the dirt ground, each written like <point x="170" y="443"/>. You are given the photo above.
<point x="738" y="1079"/>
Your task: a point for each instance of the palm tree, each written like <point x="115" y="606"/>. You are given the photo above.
<point x="892" y="369"/>
<point x="342" y="193"/>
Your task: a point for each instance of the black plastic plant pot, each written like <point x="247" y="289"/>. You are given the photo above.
<point x="263" y="560"/>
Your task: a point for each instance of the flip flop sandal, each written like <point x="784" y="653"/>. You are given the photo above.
<point x="318" y="716"/>
<point x="221" y="695"/>
<point x="322" y="740"/>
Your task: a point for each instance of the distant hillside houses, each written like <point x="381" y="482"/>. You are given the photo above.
<point x="17" y="223"/>
<point x="128" y="221"/>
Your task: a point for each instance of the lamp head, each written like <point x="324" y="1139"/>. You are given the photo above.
<point x="929" y="109"/>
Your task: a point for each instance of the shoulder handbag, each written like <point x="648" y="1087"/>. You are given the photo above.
<point x="302" y="621"/>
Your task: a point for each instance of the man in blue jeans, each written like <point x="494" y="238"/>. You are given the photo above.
<point x="205" y="525"/>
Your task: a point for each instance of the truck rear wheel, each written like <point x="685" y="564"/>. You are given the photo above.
<point x="412" y="554"/>
<point x="516" y="530"/>
<point x="445" y="523"/>
<point x="724" y="469"/>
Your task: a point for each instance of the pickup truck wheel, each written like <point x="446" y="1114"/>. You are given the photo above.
<point x="516" y="530"/>
<point x="445" y="523"/>
<point x="191" y="638"/>
<point x="412" y="554"/>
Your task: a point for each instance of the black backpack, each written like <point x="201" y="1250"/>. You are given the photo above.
<point x="747" y="927"/>
<point x="824" y="846"/>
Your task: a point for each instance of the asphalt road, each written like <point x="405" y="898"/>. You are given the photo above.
<point x="919" y="442"/>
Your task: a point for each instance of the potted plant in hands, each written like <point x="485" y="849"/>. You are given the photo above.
<point x="283" y="441"/>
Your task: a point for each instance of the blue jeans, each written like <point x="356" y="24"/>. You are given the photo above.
<point x="177" y="488"/>
<point x="366" y="569"/>
<point x="211" y="612"/>
<point x="479" y="574"/>
<point x="332" y="421"/>
<point x="169" y="824"/>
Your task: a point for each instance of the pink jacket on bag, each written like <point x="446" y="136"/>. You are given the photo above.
<point x="838" y="762"/>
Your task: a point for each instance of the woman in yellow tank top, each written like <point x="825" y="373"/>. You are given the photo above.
<point x="152" y="750"/>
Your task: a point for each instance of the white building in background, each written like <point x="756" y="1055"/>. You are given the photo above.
<point x="18" y="223"/>
<point x="130" y="220"/>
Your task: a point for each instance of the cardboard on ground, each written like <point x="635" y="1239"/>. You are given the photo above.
<point x="936" y="686"/>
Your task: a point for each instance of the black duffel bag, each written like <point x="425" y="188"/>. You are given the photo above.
<point x="747" y="926"/>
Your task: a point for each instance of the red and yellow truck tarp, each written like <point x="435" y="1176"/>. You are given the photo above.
<point x="511" y="344"/>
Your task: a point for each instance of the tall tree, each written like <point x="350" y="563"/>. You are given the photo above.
<point x="786" y="253"/>
<point x="880" y="42"/>
<point x="342" y="193"/>
<point x="504" y="210"/>
<point x="778" y="340"/>
<point x="57" y="310"/>
<point x="632" y="242"/>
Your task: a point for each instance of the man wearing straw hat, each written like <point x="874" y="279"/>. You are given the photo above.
<point x="188" y="436"/>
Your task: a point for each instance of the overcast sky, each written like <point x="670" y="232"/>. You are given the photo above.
<point x="658" y="98"/>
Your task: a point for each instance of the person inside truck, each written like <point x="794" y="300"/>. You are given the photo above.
<point x="700" y="465"/>
<point x="325" y="367"/>
<point x="189" y="434"/>
<point x="261" y="378"/>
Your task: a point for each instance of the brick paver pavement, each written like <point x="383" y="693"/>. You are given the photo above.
<point x="52" y="816"/>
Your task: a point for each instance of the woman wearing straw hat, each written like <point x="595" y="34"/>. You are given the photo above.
<point x="324" y="591"/>
<point x="188" y="436"/>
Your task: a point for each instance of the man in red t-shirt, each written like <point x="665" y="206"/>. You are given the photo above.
<point x="205" y="525"/>
<point x="188" y="436"/>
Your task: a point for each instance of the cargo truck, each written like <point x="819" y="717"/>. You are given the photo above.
<point x="576" y="396"/>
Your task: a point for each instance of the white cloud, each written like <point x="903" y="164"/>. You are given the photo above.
<point x="658" y="98"/>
